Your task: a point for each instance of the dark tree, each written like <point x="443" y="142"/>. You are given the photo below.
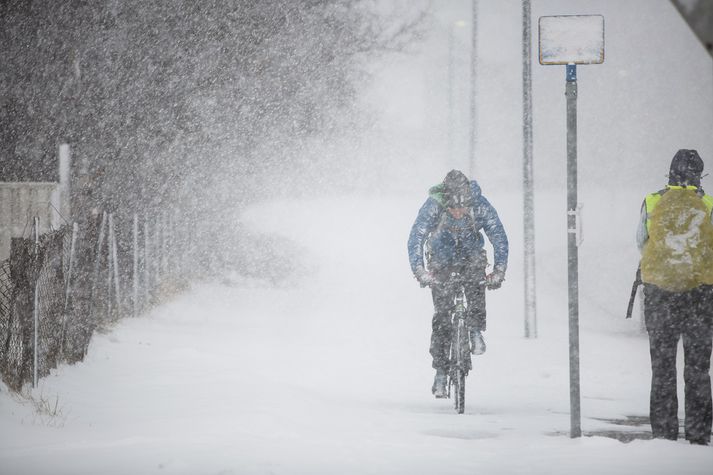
<point x="160" y="98"/>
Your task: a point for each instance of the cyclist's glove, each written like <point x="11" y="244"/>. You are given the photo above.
<point x="495" y="279"/>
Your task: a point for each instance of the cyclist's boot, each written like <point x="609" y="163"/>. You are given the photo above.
<point x="477" y="342"/>
<point x="439" y="384"/>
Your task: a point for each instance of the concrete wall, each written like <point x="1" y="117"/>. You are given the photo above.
<point x="19" y="203"/>
<point x="22" y="201"/>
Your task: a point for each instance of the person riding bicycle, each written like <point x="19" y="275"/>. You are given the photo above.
<point x="448" y="230"/>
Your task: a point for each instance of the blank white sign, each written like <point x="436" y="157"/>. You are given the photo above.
<point x="572" y="39"/>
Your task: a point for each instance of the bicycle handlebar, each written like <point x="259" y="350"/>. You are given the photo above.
<point x="455" y="280"/>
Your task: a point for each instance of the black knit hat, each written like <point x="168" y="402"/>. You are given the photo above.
<point x="457" y="190"/>
<point x="686" y="169"/>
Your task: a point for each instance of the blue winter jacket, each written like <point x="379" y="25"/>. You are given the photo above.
<point x="436" y="225"/>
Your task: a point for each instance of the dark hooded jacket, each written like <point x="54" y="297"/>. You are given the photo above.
<point x="452" y="241"/>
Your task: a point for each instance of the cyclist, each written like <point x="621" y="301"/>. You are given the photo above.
<point x="448" y="230"/>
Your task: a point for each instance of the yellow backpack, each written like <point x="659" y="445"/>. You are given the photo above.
<point x="678" y="255"/>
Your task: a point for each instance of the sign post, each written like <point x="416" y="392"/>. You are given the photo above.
<point x="570" y="40"/>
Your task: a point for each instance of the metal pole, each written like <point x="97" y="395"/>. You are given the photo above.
<point x="451" y="101"/>
<point x="136" y="266"/>
<point x="572" y="255"/>
<point x="36" y="303"/>
<point x="473" y="89"/>
<point x="528" y="182"/>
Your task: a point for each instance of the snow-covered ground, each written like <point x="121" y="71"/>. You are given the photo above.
<point x="329" y="372"/>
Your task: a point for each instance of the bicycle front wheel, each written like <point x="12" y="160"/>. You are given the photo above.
<point x="459" y="390"/>
<point x="462" y="364"/>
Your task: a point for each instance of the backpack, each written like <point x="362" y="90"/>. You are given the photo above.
<point x="679" y="252"/>
<point x="441" y="222"/>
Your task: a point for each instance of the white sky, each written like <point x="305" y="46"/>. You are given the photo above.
<point x="652" y="96"/>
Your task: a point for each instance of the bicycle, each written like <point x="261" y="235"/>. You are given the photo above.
<point x="459" y="350"/>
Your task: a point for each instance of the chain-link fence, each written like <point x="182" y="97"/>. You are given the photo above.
<point x="56" y="289"/>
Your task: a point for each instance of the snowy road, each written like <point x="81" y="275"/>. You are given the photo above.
<point x="330" y="373"/>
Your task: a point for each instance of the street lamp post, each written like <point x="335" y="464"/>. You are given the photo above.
<point x="473" y="89"/>
<point x="450" y="126"/>
<point x="528" y="183"/>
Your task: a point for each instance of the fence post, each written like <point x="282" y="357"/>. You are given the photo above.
<point x="97" y="262"/>
<point x="72" y="246"/>
<point x="114" y="266"/>
<point x="67" y="286"/>
<point x="170" y="244"/>
<point x="110" y="265"/>
<point x="164" y="244"/>
<point x="36" y="305"/>
<point x="117" y="280"/>
<point x="135" y="286"/>
<point x="173" y="262"/>
<point x="158" y="251"/>
<point x="147" y="276"/>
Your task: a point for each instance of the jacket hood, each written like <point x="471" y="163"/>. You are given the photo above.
<point x="686" y="168"/>
<point x="438" y="192"/>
